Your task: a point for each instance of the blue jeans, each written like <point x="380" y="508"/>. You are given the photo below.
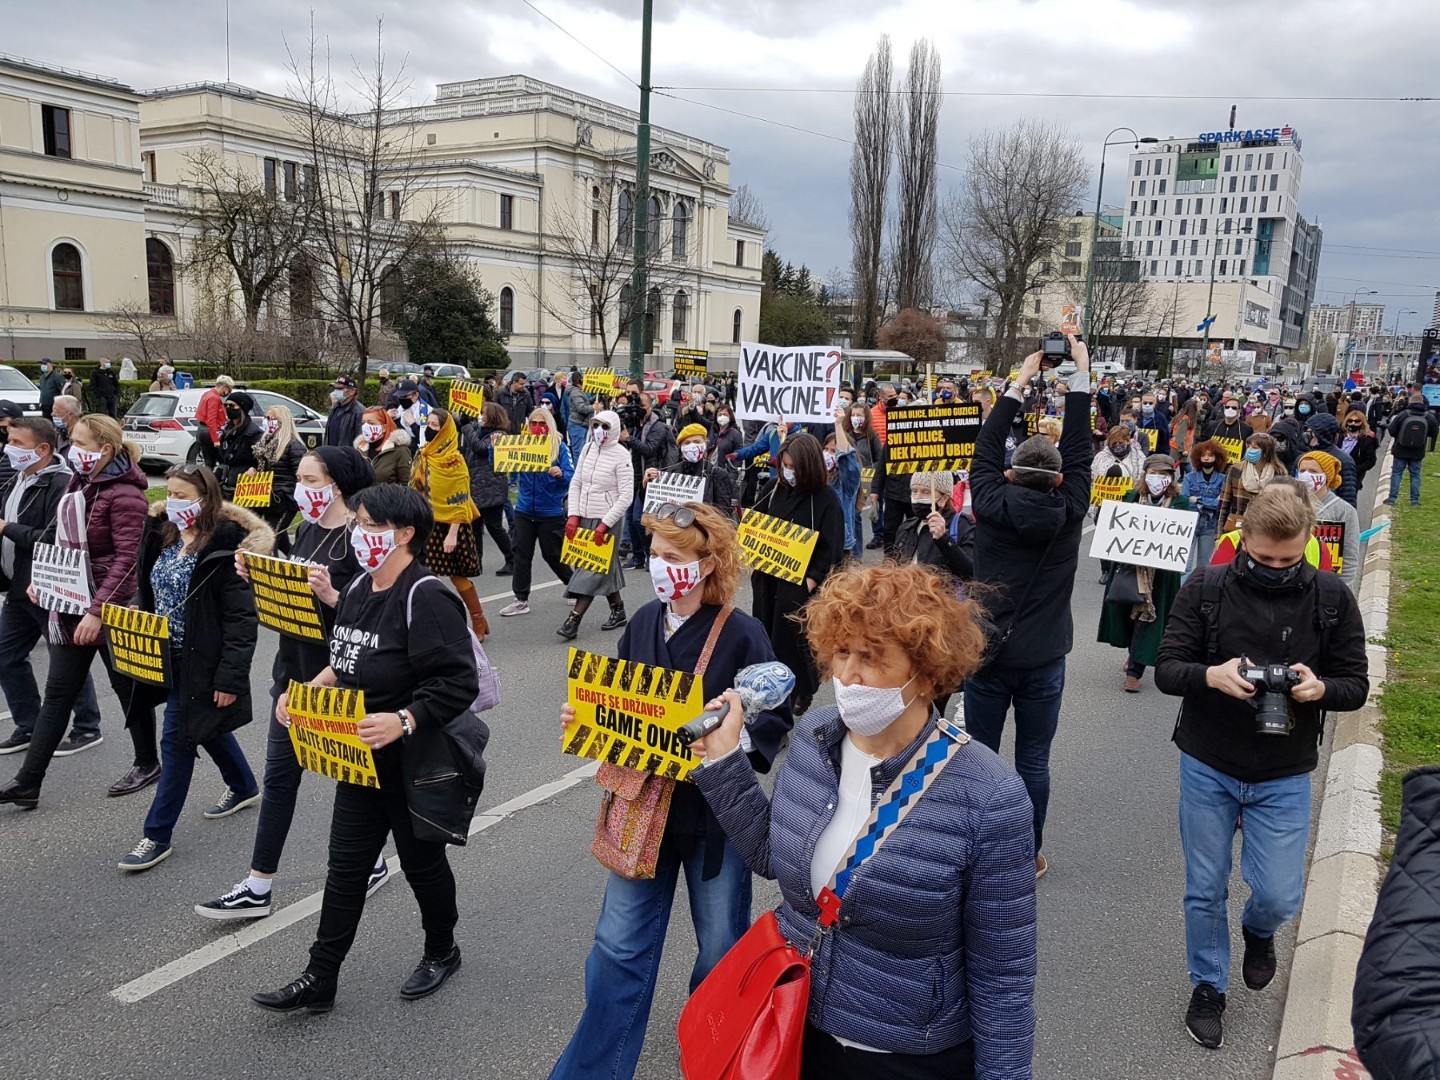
<point x="1397" y="470"/>
<point x="1274" y="819"/>
<point x="1036" y="694"/>
<point x="22" y="626"/>
<point x="1201" y="549"/>
<point x="177" y="765"/>
<point x="578" y="433"/>
<point x="623" y="964"/>
<point x="857" y="532"/>
<point x="639" y="538"/>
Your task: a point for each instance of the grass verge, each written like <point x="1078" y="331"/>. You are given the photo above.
<point x="1411" y="723"/>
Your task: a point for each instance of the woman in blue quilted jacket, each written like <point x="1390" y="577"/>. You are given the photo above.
<point x="927" y="968"/>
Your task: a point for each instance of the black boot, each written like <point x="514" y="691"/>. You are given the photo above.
<point x="571" y="627"/>
<point x="617" y="619"/>
<point x="431" y="974"/>
<point x="25" y="798"/>
<point x="307" y="991"/>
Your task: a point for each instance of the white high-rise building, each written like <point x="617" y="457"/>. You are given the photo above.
<point x="1217" y="218"/>
<point x="1435" y="315"/>
<point x="1357" y="320"/>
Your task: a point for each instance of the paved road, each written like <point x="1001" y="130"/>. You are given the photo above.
<point x="1112" y="986"/>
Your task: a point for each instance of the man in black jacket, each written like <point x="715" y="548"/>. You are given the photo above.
<point x="27" y="517"/>
<point x="936" y="534"/>
<point x="342" y="426"/>
<point x="1248" y="745"/>
<point x="1028" y="522"/>
<point x="515" y="398"/>
<point x="105" y="388"/>
<point x="652" y="446"/>
<point x="1411" y="441"/>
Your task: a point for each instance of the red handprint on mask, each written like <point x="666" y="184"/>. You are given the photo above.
<point x="681" y="581"/>
<point x="187" y="519"/>
<point x="319" y="503"/>
<point x="376" y="549"/>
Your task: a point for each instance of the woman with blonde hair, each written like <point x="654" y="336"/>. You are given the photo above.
<point x="540" y="514"/>
<point x="695" y="570"/>
<point x="1360" y="443"/>
<point x="929" y="956"/>
<point x="103" y="514"/>
<point x="279" y="451"/>
<point x="440" y="474"/>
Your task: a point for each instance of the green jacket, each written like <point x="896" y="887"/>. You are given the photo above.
<point x="1119" y="629"/>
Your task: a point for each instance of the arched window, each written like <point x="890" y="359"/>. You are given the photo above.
<point x="507" y="310"/>
<point x="69" y="277"/>
<point x="160" y="270"/>
<point x="627" y="218"/>
<point x="735" y="327"/>
<point x="652" y="318"/>
<point x="652" y="226"/>
<point x="392" y="287"/>
<point x="680" y="231"/>
<point x="680" y="317"/>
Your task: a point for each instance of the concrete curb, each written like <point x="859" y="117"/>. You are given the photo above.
<point x="1316" y="1041"/>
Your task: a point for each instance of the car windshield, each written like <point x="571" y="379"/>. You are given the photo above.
<point x="10" y="379"/>
<point x="153" y="405"/>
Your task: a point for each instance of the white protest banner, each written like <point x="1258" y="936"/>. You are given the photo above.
<point x="799" y="384"/>
<point x="61" y="577"/>
<point x="1152" y="536"/>
<point x="673" y="488"/>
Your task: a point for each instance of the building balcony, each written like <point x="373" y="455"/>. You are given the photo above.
<point x="165" y="194"/>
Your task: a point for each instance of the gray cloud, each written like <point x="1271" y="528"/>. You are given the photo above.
<point x="1369" y="167"/>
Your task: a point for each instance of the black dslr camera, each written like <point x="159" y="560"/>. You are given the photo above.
<point x="1273" y="683"/>
<point x="1055" y="349"/>
<point x="630" y="411"/>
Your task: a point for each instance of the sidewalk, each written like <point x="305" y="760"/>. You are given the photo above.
<point x="1316" y="1041"/>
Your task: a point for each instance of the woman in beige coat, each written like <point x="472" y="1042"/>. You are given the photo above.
<point x="600" y="493"/>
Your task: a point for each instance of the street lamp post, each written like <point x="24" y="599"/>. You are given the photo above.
<point x="1350" y="323"/>
<point x="1395" y="337"/>
<point x="1244" y="230"/>
<point x="1095" y="223"/>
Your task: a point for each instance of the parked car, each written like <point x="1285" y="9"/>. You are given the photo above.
<point x="162" y="423"/>
<point x="15" y="387"/>
<point x="451" y="371"/>
<point x="396" y="368"/>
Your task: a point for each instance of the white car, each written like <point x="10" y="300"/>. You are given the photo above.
<point x="451" y="371"/>
<point x="162" y="423"/>
<point x="15" y="387"/>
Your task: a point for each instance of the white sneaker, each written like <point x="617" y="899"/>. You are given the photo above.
<point x="515" y="607"/>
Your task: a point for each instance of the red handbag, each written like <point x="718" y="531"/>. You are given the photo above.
<point x="746" y="1021"/>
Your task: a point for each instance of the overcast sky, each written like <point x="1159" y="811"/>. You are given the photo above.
<point x="1370" y="166"/>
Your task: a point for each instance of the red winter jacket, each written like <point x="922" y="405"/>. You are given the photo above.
<point x="211" y="412"/>
<point x="115" y="509"/>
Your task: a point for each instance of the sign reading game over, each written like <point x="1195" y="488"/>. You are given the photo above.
<point x="692" y="363"/>
<point x="799" y="384"/>
<point x="628" y="713"/>
<point x="930" y="438"/>
<point x="1153" y="536"/>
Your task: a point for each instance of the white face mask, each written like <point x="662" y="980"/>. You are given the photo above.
<point x="598" y="434"/>
<point x="372" y="549"/>
<point x="313" y="502"/>
<point x="869" y="710"/>
<point x="372" y="432"/>
<point x="857" y="422"/>
<point x="1231" y="413"/>
<point x="1317" y="481"/>
<point x="692" y="451"/>
<point x="20" y="460"/>
<point x="182" y="513"/>
<point x="673" y="580"/>
<point x="84" y="461"/>
<point x="789" y="474"/>
<point x="829" y="460"/>
<point x="1157" y="483"/>
<point x="271" y="426"/>
<point x="723" y="420"/>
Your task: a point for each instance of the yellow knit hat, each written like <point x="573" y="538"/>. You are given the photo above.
<point x="692" y="431"/>
<point x="1328" y="465"/>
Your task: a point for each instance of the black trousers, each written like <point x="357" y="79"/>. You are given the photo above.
<point x="493" y="518"/>
<point x="550" y="532"/>
<point x="362" y="819"/>
<point x="281" y="787"/>
<point x="69" y="668"/>
<point x="826" y="1059"/>
<point x="895" y="514"/>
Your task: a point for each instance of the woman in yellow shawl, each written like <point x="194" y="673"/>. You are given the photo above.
<point x="440" y="474"/>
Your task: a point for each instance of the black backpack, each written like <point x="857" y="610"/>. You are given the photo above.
<point x="1413" y="433"/>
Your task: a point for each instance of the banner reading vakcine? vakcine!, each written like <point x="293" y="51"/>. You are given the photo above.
<point x="799" y="384"/>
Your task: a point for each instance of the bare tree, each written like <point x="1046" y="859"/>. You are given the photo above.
<point x="134" y="330"/>
<point x="373" y="205"/>
<point x="245" y="235"/>
<point x="869" y="184"/>
<point x="1006" y="218"/>
<point x="917" y="140"/>
<point x="594" y="241"/>
<point x="746" y="209"/>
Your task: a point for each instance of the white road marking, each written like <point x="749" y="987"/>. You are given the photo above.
<point x="257" y="931"/>
<point x="509" y="595"/>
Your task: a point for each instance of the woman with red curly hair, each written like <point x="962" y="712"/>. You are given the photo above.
<point x="927" y="968"/>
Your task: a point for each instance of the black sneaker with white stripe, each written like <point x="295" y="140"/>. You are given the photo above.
<point x="238" y="903"/>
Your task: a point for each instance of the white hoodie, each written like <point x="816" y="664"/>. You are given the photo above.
<point x="604" y="481"/>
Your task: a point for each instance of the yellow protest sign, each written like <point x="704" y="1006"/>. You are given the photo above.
<point x="1148" y="438"/>
<point x="521" y="453"/>
<point x="324" y="723"/>
<point x="253" y="489"/>
<point x="139" y="643"/>
<point x="602" y="380"/>
<point x="467" y="397"/>
<point x="627" y="713"/>
<point x="867" y="476"/>
<point x="1109" y="488"/>
<point x="284" y="600"/>
<point x="779" y="548"/>
<point x="1234" y="447"/>
<point x="584" y="553"/>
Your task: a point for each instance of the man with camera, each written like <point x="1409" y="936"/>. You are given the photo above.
<point x="651" y="444"/>
<point x="1259" y="650"/>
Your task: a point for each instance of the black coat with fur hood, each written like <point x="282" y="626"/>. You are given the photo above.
<point x="220" y="622"/>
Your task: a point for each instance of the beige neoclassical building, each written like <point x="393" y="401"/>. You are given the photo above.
<point x="97" y="197"/>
